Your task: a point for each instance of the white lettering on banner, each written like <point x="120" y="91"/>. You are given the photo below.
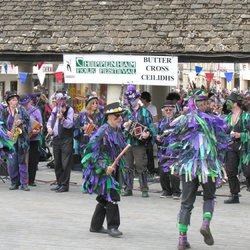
<point x="115" y="69"/>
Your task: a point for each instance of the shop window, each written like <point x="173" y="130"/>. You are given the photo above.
<point x="1" y="91"/>
<point x="13" y="86"/>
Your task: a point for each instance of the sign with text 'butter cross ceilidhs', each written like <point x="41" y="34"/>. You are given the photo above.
<point x="118" y="69"/>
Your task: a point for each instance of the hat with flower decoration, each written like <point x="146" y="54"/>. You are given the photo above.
<point x="131" y="92"/>
<point x="113" y="108"/>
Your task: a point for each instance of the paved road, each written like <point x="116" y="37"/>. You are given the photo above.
<point x="42" y="219"/>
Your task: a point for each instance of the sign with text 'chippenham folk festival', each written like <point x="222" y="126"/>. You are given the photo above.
<point x="118" y="69"/>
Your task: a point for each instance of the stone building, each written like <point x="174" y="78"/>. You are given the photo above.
<point x="195" y="31"/>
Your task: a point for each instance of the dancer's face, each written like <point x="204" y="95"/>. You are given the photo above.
<point x="115" y="119"/>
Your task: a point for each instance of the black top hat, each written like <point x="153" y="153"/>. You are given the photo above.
<point x="113" y="108"/>
<point x="10" y="95"/>
<point x="91" y="98"/>
<point x="168" y="103"/>
<point x="235" y="97"/>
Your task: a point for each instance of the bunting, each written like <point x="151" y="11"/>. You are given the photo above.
<point x="229" y="76"/>
<point x="40" y="64"/>
<point x="23" y="77"/>
<point x="59" y="77"/>
<point x="5" y="68"/>
<point x="198" y="70"/>
<point x="209" y="76"/>
<point x="41" y="77"/>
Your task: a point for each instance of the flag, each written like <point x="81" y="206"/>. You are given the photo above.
<point x="198" y="70"/>
<point x="40" y="64"/>
<point x="41" y="77"/>
<point x="59" y="77"/>
<point x="23" y="77"/>
<point x="5" y="68"/>
<point x="229" y="76"/>
<point x="209" y="76"/>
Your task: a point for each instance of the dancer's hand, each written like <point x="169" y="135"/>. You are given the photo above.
<point x="109" y="170"/>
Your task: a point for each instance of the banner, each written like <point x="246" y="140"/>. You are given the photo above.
<point x="118" y="69"/>
<point x="23" y="77"/>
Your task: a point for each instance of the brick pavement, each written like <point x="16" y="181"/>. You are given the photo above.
<point x="45" y="220"/>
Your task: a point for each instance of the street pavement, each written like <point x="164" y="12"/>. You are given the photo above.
<point x="45" y="220"/>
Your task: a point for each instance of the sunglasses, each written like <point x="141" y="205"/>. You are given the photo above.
<point x="117" y="115"/>
<point x="168" y="110"/>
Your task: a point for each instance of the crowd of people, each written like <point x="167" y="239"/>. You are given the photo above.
<point x="202" y="139"/>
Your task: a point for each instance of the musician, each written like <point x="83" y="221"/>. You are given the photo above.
<point x="87" y="123"/>
<point x="99" y="177"/>
<point x="60" y="125"/>
<point x="146" y="101"/>
<point x="6" y="144"/>
<point x="17" y="122"/>
<point x="137" y="153"/>
<point x="238" y="157"/>
<point x="35" y="127"/>
<point x="170" y="183"/>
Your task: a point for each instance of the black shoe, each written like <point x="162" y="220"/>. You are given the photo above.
<point x="234" y="199"/>
<point x="62" y="189"/>
<point x="127" y="193"/>
<point x="13" y="187"/>
<point x="25" y="187"/>
<point x="32" y="184"/>
<point x="206" y="233"/>
<point x="55" y="188"/>
<point x="176" y="196"/>
<point x="114" y="232"/>
<point x="144" y="194"/>
<point x="102" y="230"/>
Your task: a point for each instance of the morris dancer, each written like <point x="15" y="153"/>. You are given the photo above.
<point x="99" y="177"/>
<point x="170" y="183"/>
<point x="238" y="156"/>
<point x="91" y="118"/>
<point x="196" y="146"/>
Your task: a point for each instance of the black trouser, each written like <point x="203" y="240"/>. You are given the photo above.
<point x="189" y="189"/>
<point x="33" y="160"/>
<point x="63" y="155"/>
<point x="232" y="162"/>
<point x="169" y="183"/>
<point x="246" y="171"/>
<point x="110" y="210"/>
<point x="150" y="156"/>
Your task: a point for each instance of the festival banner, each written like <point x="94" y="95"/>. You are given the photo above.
<point x="118" y="69"/>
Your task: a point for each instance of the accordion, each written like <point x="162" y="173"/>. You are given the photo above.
<point x="136" y="129"/>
